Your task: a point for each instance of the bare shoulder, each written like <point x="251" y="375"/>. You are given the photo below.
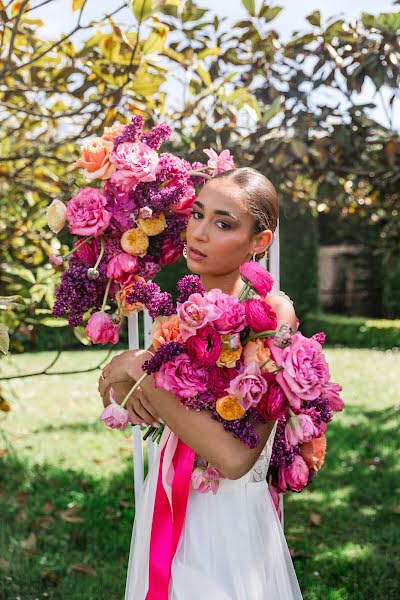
<point x="284" y="309"/>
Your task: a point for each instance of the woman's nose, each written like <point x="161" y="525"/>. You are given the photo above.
<point x="200" y="230"/>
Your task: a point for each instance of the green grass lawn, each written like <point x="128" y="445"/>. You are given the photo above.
<point x="66" y="495"/>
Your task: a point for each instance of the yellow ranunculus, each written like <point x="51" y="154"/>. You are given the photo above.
<point x="135" y="242"/>
<point x="154" y="225"/>
<point x="228" y="408"/>
<point x="228" y="357"/>
<point x="56" y="215"/>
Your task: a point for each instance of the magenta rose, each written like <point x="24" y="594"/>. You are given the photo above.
<point x="260" y="315"/>
<point x="170" y="252"/>
<point x="232" y="319"/>
<point x="331" y="393"/>
<point x="195" y="313"/>
<point x="121" y="265"/>
<point x="87" y="213"/>
<point x="182" y="377"/>
<point x="88" y="252"/>
<point x="295" y="476"/>
<point x="274" y="404"/>
<point x="249" y="386"/>
<point x="219" y="379"/>
<point x="114" y="415"/>
<point x="257" y="277"/>
<point x="204" y="347"/>
<point x="185" y="204"/>
<point x="137" y="159"/>
<point x="305" y="371"/>
<point x="300" y="428"/>
<point x="101" y="330"/>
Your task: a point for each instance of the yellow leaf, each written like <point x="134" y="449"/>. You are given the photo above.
<point x="77" y="4"/>
<point x="146" y="84"/>
<point x="142" y="9"/>
<point x="109" y="44"/>
<point x="16" y="7"/>
<point x="156" y="40"/>
<point x="205" y="76"/>
<point x="209" y="52"/>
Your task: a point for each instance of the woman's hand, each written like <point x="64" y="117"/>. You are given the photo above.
<point x="120" y="374"/>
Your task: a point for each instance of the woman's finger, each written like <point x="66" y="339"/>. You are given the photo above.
<point x="135" y="405"/>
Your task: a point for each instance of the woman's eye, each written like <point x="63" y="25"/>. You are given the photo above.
<point x="194" y="213"/>
<point x="223" y="225"/>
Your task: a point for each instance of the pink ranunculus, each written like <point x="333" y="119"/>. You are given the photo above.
<point x="195" y="313"/>
<point x="137" y="158"/>
<point x="170" y="252"/>
<point x="300" y="428"/>
<point x="121" y="266"/>
<point x="185" y="204"/>
<point x="182" y="377"/>
<point x="257" y="276"/>
<point x="331" y="392"/>
<point x="220" y="163"/>
<point x="305" y="371"/>
<point x="275" y="495"/>
<point x="295" y="476"/>
<point x="274" y="404"/>
<point x="101" y="330"/>
<point x="249" y="386"/>
<point x="87" y="213"/>
<point x="125" y="180"/>
<point x="320" y="337"/>
<point x="260" y="315"/>
<point x="219" y="379"/>
<point x="232" y="319"/>
<point x="204" y="347"/>
<point x="206" y="480"/>
<point x="114" y="415"/>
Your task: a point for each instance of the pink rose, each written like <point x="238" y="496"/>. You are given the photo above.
<point x="87" y="214"/>
<point x="185" y="204"/>
<point x="138" y="159"/>
<point x="257" y="277"/>
<point x="101" y="330"/>
<point x="295" y="476"/>
<point x="300" y="428"/>
<point x="206" y="480"/>
<point x="204" y="347"/>
<point x="195" y="313"/>
<point x="170" y="252"/>
<point x="320" y="337"/>
<point x="274" y="404"/>
<point x="114" y="415"/>
<point x="249" y="386"/>
<point x="305" y="371"/>
<point x="182" y="377"/>
<point x="232" y="319"/>
<point x="124" y="180"/>
<point x="221" y="163"/>
<point x="331" y="392"/>
<point x="219" y="379"/>
<point x="260" y="315"/>
<point x="121" y="266"/>
<point x="275" y="494"/>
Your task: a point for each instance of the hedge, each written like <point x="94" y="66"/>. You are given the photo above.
<point x="355" y="332"/>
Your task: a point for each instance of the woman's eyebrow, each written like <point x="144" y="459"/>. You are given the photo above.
<point x="217" y="212"/>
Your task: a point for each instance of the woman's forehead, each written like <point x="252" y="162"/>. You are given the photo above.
<point x="223" y="194"/>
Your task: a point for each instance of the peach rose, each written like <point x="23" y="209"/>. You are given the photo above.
<point x="255" y="351"/>
<point x="165" y="329"/>
<point x="228" y="408"/>
<point x="228" y="357"/>
<point x="56" y="215"/>
<point x="94" y="160"/>
<point x="313" y="452"/>
<point x="135" y="241"/>
<point x="111" y="132"/>
<point x="127" y="308"/>
<point x="154" y="225"/>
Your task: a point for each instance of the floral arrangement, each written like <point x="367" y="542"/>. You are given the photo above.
<point x="222" y="353"/>
<point x="129" y="228"/>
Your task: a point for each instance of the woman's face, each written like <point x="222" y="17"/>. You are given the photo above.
<point x="219" y="232"/>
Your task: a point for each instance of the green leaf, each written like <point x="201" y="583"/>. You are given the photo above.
<point x="273" y="110"/>
<point x="205" y="75"/>
<point x="23" y="273"/>
<point x="53" y="322"/>
<point x="156" y="41"/>
<point x="142" y="9"/>
<point x="4" y="338"/>
<point x="209" y="52"/>
<point x="250" y="6"/>
<point x="315" y="18"/>
<point x="11" y="301"/>
<point x="79" y="333"/>
<point x="270" y="13"/>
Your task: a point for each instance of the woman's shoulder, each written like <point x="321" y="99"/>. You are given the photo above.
<point x="284" y="308"/>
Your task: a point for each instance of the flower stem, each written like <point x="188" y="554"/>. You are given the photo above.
<point x="200" y="173"/>
<point x="264" y="363"/>
<point x="101" y="253"/>
<point x="260" y="334"/>
<point x="106" y="294"/>
<point x="85" y="241"/>
<point x="133" y="388"/>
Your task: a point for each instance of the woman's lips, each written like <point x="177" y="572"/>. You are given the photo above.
<point x="196" y="254"/>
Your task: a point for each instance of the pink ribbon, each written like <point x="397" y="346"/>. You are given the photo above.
<point x="172" y="493"/>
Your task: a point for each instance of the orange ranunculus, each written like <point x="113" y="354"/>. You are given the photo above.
<point x="127" y="308"/>
<point x="111" y="132"/>
<point x="228" y="357"/>
<point x="135" y="241"/>
<point x="313" y="452"/>
<point x="154" y="225"/>
<point x="165" y="329"/>
<point x="94" y="159"/>
<point x="255" y="351"/>
<point x="228" y="408"/>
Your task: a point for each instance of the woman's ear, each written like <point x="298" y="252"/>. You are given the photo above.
<point x="262" y="241"/>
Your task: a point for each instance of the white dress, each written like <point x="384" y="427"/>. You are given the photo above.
<point x="232" y="546"/>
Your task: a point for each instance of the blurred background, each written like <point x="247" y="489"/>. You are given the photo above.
<point x="306" y="92"/>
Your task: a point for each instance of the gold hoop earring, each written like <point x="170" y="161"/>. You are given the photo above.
<point x="185" y="252"/>
<point x="254" y="257"/>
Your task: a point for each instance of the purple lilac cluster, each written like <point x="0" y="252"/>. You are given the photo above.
<point x="122" y="206"/>
<point x="157" y="302"/>
<point x="318" y="410"/>
<point x="188" y="285"/>
<point x="165" y="353"/>
<point x="282" y="455"/>
<point x="204" y="401"/>
<point x="240" y="428"/>
<point x="131" y="132"/>
<point x="69" y="298"/>
<point x="158" y="134"/>
<point x="148" y="268"/>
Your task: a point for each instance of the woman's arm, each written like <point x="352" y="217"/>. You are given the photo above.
<point x="284" y="309"/>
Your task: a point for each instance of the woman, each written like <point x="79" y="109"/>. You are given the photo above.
<point x="231" y="546"/>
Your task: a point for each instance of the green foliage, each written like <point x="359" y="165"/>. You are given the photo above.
<point x="354" y="332"/>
